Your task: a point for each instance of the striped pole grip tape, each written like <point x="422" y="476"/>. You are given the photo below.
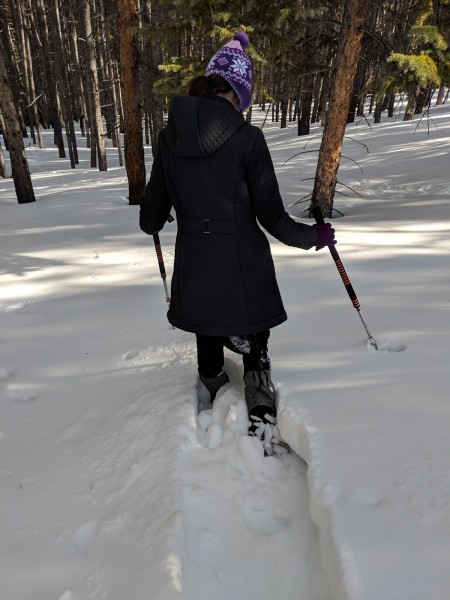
<point x="348" y="285"/>
<point x="162" y="268"/>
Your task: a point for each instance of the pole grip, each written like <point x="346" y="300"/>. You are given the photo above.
<point x="162" y="268"/>
<point x="317" y="214"/>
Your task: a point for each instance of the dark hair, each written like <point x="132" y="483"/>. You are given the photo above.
<point x="207" y="85"/>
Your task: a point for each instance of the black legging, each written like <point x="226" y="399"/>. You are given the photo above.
<point x="253" y="348"/>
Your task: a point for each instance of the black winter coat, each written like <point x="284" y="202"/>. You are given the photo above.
<point x="217" y="173"/>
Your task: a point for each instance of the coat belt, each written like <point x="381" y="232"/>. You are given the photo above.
<point x="190" y="225"/>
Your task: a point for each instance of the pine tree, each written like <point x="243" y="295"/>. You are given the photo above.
<point x="19" y="165"/>
<point x="132" y="106"/>
<point x="353" y="20"/>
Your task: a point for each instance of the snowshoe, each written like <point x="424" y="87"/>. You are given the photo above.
<point x="261" y="399"/>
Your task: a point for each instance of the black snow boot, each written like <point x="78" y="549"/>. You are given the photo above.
<point x="207" y="389"/>
<point x="260" y="397"/>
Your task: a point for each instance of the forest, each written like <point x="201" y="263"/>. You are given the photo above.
<point x="97" y="69"/>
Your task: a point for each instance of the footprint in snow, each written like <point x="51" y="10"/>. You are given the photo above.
<point x="17" y="306"/>
<point x="5" y="372"/>
<point x="263" y="514"/>
<point x="386" y="346"/>
<point x="213" y="436"/>
<point x="80" y="430"/>
<point x="227" y="417"/>
<point x="68" y="595"/>
<point x="83" y="538"/>
<point x="209" y="434"/>
<point x="21" y="395"/>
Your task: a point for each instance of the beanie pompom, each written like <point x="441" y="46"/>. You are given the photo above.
<point x="242" y="37"/>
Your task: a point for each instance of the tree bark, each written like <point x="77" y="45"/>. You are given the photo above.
<point x="153" y="58"/>
<point x="19" y="165"/>
<point x="304" y="119"/>
<point x="32" y="84"/>
<point x="412" y="102"/>
<point x="355" y="99"/>
<point x="8" y="33"/>
<point x="131" y="94"/>
<point x="440" y="96"/>
<point x="391" y="105"/>
<point x="16" y="10"/>
<point x="41" y="32"/>
<point x="349" y="47"/>
<point x="284" y="103"/>
<point x="62" y="84"/>
<point x="3" y="171"/>
<point x="378" y="111"/>
<point x="95" y="113"/>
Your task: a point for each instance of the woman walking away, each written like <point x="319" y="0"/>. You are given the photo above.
<point x="217" y="173"/>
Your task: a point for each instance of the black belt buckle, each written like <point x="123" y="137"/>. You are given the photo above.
<point x="206" y="226"/>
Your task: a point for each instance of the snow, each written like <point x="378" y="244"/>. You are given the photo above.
<point x="110" y="485"/>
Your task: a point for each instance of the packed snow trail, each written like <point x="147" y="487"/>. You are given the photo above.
<point x="241" y="508"/>
<point x="242" y="528"/>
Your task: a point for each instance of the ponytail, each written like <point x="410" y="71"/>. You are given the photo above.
<point x="208" y="85"/>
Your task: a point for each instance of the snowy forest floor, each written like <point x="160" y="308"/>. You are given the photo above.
<point x="111" y="489"/>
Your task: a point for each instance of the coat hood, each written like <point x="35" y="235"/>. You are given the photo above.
<point x="197" y="127"/>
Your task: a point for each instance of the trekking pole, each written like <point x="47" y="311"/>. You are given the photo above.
<point x="162" y="268"/>
<point x="317" y="214"/>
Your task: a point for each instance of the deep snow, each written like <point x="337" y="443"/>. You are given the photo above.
<point x="109" y="487"/>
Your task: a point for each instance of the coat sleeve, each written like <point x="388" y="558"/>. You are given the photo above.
<point x="267" y="202"/>
<point x="156" y="204"/>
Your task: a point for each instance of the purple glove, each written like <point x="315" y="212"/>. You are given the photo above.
<point x="325" y="235"/>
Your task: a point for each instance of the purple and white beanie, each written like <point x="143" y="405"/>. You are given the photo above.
<point x="231" y="63"/>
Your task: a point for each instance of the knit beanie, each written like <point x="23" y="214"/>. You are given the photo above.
<point x="231" y="63"/>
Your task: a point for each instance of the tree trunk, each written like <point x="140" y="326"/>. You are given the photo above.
<point x="440" y="96"/>
<point x="316" y="97"/>
<point x="325" y="91"/>
<point x="357" y="92"/>
<point x="131" y="93"/>
<point x="411" y="106"/>
<point x="40" y="94"/>
<point x="19" y="164"/>
<point x="3" y="171"/>
<point x="41" y="30"/>
<point x="32" y="84"/>
<point x="248" y="116"/>
<point x="284" y="108"/>
<point x="355" y="15"/>
<point x="424" y="100"/>
<point x="304" y="120"/>
<point x="153" y="58"/>
<point x="75" y="76"/>
<point x="95" y="114"/>
<point x="17" y="12"/>
<point x="8" y="32"/>
<point x="378" y="110"/>
<point x="391" y="105"/>
<point x="62" y="84"/>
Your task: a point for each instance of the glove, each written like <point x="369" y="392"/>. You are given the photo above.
<point x="325" y="235"/>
